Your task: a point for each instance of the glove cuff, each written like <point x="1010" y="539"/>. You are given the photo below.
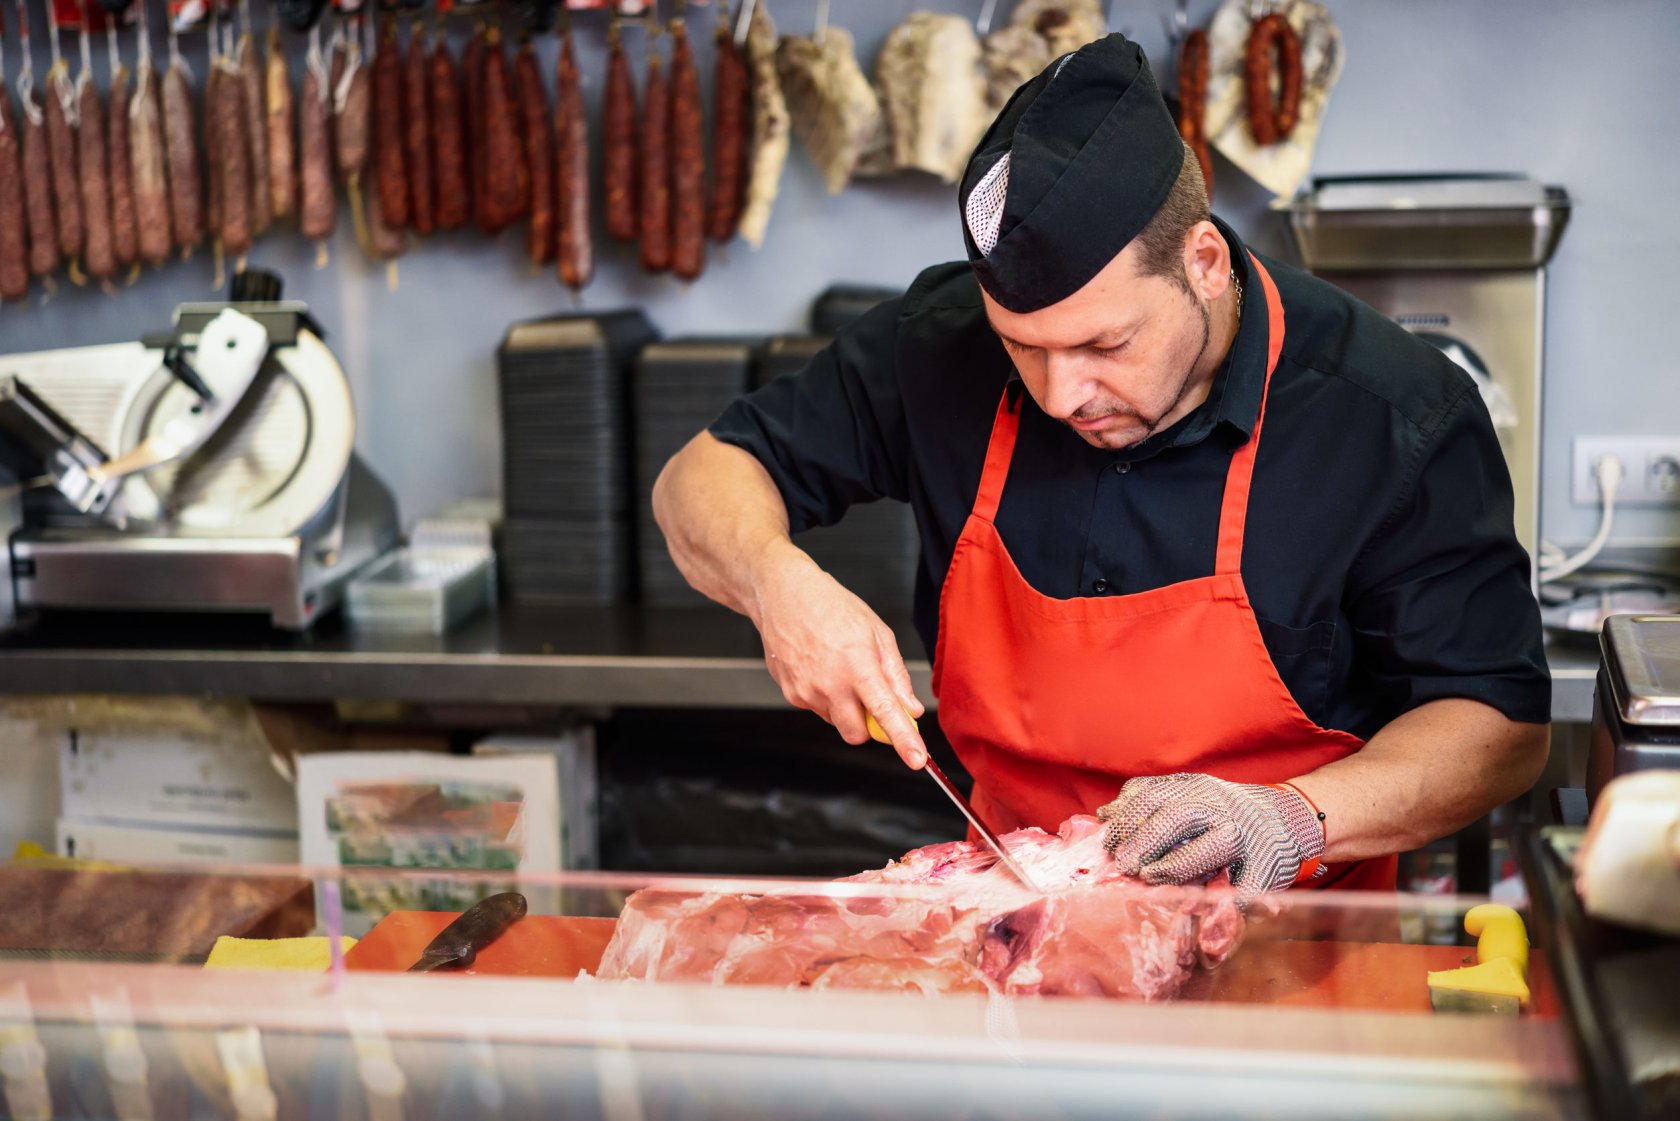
<point x="1306" y="827"/>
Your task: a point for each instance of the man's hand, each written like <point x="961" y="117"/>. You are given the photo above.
<point x="1177" y="829"/>
<point x="831" y="654"/>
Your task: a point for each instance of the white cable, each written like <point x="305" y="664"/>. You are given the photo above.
<point x="1608" y="472"/>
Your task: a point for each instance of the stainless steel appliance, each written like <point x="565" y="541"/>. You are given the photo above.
<point x="1636" y="707"/>
<point x="1460" y="260"/>
<point x="208" y="469"/>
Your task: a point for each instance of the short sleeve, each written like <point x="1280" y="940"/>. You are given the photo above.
<point x="1440" y="598"/>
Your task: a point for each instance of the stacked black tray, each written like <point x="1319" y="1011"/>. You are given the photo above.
<point x="873" y="550"/>
<point x="839" y="304"/>
<point x="565" y="451"/>
<point x="680" y="387"/>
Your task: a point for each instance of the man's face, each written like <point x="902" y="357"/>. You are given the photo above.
<point x="1117" y="360"/>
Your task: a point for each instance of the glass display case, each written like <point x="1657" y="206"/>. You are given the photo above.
<point x="634" y="998"/>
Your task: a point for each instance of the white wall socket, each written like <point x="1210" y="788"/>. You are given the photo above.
<point x="1650" y="469"/>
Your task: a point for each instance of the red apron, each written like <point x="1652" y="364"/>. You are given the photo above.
<point x="1052" y="704"/>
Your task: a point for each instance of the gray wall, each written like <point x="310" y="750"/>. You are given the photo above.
<point x="1571" y="93"/>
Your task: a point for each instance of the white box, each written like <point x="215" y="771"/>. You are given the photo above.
<point x="353" y="807"/>
<point x="173" y="778"/>
<point x="574" y="758"/>
<point x="139" y="844"/>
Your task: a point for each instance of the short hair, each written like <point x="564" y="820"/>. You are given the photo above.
<point x="1161" y="242"/>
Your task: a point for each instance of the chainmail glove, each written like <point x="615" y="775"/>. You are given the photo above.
<point x="1178" y="829"/>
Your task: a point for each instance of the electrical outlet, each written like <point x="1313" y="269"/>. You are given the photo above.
<point x="1650" y="470"/>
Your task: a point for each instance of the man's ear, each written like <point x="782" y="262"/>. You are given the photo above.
<point x="1207" y="261"/>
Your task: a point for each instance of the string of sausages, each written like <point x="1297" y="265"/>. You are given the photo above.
<point x="1272" y="78"/>
<point x="98" y="183"/>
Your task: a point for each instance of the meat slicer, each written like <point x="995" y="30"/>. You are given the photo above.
<point x="207" y="469"/>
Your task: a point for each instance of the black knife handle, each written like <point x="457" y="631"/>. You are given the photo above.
<point x="457" y="946"/>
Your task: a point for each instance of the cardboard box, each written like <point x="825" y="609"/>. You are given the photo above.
<point x="495" y="818"/>
<point x="123" y="843"/>
<point x="172" y="778"/>
<point x="574" y="760"/>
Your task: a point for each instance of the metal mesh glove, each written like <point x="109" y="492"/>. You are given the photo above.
<point x="1178" y="829"/>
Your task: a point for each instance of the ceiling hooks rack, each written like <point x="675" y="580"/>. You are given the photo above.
<point x="744" y="21"/>
<point x="983" y="22"/>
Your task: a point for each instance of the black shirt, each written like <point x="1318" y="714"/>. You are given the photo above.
<point x="1380" y="556"/>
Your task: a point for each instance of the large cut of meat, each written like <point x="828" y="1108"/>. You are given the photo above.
<point x="1039" y="31"/>
<point x="932" y="89"/>
<point x="833" y="105"/>
<point x="945" y="918"/>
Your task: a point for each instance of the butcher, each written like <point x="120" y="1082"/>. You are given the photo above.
<point x="1207" y="546"/>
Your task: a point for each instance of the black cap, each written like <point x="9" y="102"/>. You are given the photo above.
<point x="1078" y="162"/>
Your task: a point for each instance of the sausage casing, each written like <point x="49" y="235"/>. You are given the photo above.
<point x="14" y="227"/>
<point x="148" y="158"/>
<point x="654" y="170"/>
<point x="37" y="189"/>
<point x="318" y="202"/>
<point x="281" y="125"/>
<point x="124" y="237"/>
<point x="507" y="180"/>
<point x="731" y="120"/>
<point x="618" y="145"/>
<point x="390" y="158"/>
<point x="93" y="175"/>
<point x="233" y="157"/>
<point x="61" y="156"/>
<point x="417" y="134"/>
<point x="186" y="180"/>
<point x="451" y="171"/>
<point x="254" y="132"/>
<point x="537" y="130"/>
<point x="688" y="160"/>
<point x="576" y="249"/>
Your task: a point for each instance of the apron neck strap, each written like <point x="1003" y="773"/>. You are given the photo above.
<point x="999" y="452"/>
<point x="1233" y="513"/>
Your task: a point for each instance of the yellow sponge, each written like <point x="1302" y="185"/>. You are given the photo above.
<point x="311" y="954"/>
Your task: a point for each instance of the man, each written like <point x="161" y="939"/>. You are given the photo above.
<point x="1291" y="658"/>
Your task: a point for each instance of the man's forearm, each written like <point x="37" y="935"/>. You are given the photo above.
<point x="724" y="521"/>
<point x="1431" y="771"/>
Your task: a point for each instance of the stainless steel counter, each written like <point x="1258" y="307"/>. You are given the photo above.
<point x="518" y="655"/>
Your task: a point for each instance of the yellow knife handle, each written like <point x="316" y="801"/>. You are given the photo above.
<point x="1499" y="933"/>
<point x="878" y="733"/>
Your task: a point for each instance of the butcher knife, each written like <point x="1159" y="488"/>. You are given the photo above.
<point x="457" y="946"/>
<point x="938" y="776"/>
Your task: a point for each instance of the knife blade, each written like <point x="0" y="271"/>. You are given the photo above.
<point x="458" y="944"/>
<point x="980" y="827"/>
<point x="879" y="734"/>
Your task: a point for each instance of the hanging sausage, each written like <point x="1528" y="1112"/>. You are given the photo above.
<point x="688" y="160"/>
<point x="576" y="251"/>
<point x="318" y="202"/>
<point x="653" y="170"/>
<point x="450" y="149"/>
<point x="618" y="141"/>
<point x="125" y="245"/>
<point x="731" y="120"/>
<point x="417" y="132"/>
<point x="538" y="131"/>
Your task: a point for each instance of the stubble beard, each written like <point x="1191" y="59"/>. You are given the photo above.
<point x="1152" y="427"/>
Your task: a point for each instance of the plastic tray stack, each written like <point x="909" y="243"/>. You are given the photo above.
<point x="680" y="387"/>
<point x="874" y="549"/>
<point x="566" y="489"/>
<point x="839" y="304"/>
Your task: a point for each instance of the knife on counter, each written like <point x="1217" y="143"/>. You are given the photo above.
<point x="458" y="944"/>
<point x="879" y="734"/>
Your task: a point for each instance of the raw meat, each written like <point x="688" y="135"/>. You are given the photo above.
<point x="946" y="919"/>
